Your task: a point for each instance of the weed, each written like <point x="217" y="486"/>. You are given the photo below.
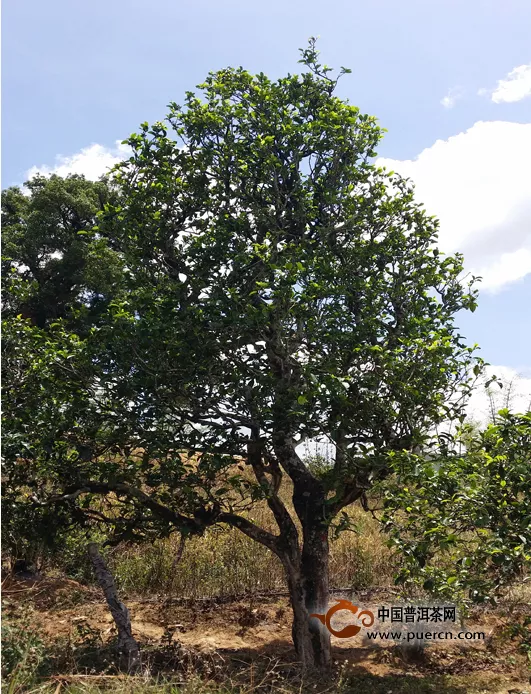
<point x="521" y="632"/>
<point x="24" y="655"/>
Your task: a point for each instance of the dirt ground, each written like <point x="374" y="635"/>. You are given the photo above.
<point x="66" y="612"/>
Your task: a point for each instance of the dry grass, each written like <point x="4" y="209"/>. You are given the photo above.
<point x="279" y="678"/>
<point x="226" y="562"/>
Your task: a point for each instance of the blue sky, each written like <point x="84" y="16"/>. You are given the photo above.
<point x="78" y="74"/>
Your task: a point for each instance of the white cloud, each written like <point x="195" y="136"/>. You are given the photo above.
<point x="454" y="93"/>
<point x="477" y="183"/>
<point x="515" y="87"/>
<point x="92" y="162"/>
<point x="515" y="394"/>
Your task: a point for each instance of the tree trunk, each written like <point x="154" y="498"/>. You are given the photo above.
<point x="315" y="579"/>
<point x="307" y="578"/>
<point x="126" y="643"/>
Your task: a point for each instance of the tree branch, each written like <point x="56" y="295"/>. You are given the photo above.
<point x="284" y="521"/>
<point x="351" y="493"/>
<point x="194" y="525"/>
<point x="251" y="530"/>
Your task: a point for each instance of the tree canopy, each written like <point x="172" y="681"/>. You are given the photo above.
<point x="273" y="286"/>
<point x="51" y="262"/>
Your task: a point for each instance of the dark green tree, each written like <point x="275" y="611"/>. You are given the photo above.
<point x="58" y="274"/>
<point x="279" y="288"/>
<point x="52" y="262"/>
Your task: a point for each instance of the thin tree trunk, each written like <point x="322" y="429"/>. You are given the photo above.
<point x="126" y="643"/>
<point x="176" y="560"/>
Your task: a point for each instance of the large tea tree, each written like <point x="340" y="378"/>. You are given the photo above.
<point x="280" y="289"/>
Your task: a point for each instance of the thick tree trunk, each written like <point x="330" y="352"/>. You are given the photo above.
<point x="308" y="584"/>
<point x="315" y="578"/>
<point x="300" y="630"/>
<point x="126" y="643"/>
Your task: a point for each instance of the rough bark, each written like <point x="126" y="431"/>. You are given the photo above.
<point x="307" y="581"/>
<point x="300" y="630"/>
<point x="127" y="646"/>
<point x="315" y="581"/>
<point x="308" y="576"/>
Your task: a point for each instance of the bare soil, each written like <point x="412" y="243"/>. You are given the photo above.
<point x="66" y="612"/>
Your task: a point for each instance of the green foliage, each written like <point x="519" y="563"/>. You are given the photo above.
<point x="296" y="286"/>
<point x="58" y="273"/>
<point x="39" y="403"/>
<point x="273" y="286"/>
<point x="463" y="522"/>
<point x="53" y="259"/>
